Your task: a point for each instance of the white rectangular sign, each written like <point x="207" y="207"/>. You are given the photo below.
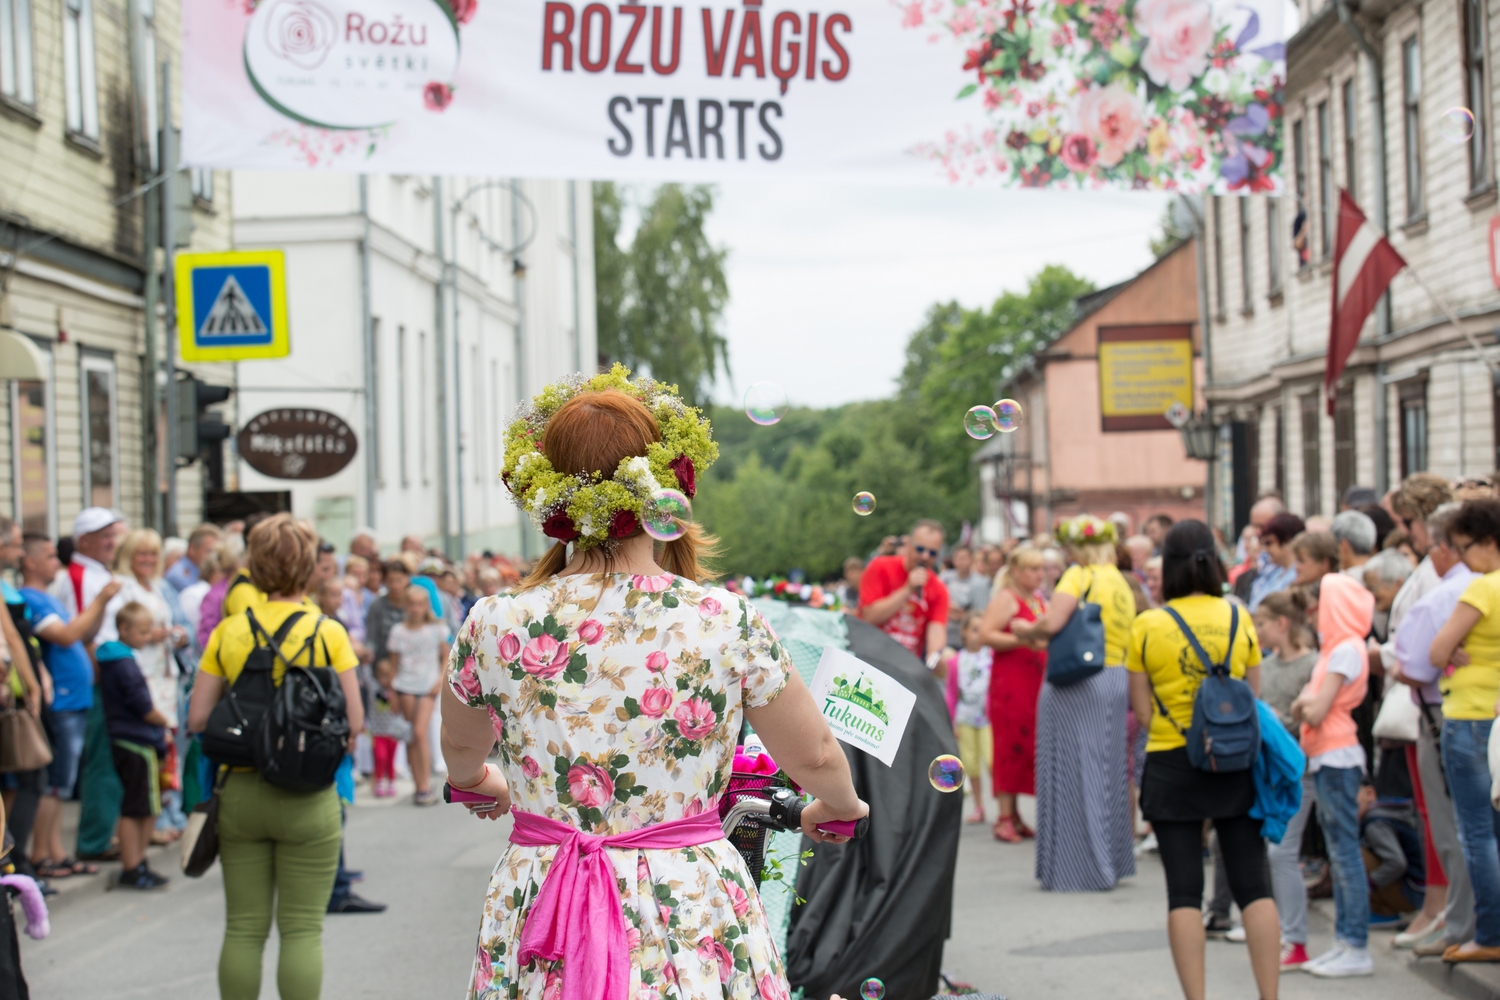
<point x="865" y="707"/>
<point x="1177" y="95"/>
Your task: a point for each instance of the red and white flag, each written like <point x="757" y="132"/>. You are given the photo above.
<point x="1364" y="262"/>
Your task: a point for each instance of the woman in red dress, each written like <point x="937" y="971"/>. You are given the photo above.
<point x="1015" y="683"/>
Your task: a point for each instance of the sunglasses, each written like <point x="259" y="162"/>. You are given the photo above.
<point x="922" y="550"/>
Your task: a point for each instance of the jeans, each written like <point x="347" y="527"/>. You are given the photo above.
<point x="279" y="850"/>
<point x="1338" y="814"/>
<point x="1466" y="761"/>
<point x="1286" y="873"/>
<point x="1459" y="914"/>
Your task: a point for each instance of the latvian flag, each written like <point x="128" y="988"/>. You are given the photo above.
<point x="1364" y="263"/>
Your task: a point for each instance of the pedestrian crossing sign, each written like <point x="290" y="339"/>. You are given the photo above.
<point x="232" y="306"/>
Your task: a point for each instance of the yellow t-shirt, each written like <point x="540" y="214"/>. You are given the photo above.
<point x="232" y="640"/>
<point x="242" y="594"/>
<point x="1160" y="650"/>
<point x="1471" y="691"/>
<point x="1116" y="604"/>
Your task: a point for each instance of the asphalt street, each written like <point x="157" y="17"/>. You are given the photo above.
<point x="432" y="865"/>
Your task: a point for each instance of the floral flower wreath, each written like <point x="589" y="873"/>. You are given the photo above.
<point x="592" y="509"/>
<point x="1086" y="529"/>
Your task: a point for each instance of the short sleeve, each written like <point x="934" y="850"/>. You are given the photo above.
<point x="761" y="661"/>
<point x="938" y="604"/>
<point x="335" y="640"/>
<point x="1252" y="641"/>
<point x="466" y="667"/>
<point x="1071" y="582"/>
<point x="1347" y="660"/>
<point x="1480" y="595"/>
<point x="874" y="584"/>
<point x="1135" y="649"/>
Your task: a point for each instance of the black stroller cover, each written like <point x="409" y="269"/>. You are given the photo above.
<point x="882" y="906"/>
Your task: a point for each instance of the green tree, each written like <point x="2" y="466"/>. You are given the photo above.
<point x="661" y="301"/>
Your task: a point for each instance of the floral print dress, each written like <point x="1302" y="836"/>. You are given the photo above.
<point x="617" y="701"/>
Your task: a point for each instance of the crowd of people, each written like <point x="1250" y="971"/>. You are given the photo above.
<point x="1373" y="637"/>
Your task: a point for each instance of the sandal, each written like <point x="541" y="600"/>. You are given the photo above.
<point x="1005" y="830"/>
<point x="47" y="868"/>
<point x="78" y="867"/>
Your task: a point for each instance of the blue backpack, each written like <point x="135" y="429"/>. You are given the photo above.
<point x="1224" y="735"/>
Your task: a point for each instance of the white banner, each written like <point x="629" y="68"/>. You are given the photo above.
<point x="1161" y="94"/>
<point x="865" y="707"/>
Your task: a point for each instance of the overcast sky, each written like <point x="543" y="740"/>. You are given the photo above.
<point x="827" y="281"/>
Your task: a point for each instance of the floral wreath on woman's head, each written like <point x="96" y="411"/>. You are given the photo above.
<point x="1086" y="529"/>
<point x="588" y="509"/>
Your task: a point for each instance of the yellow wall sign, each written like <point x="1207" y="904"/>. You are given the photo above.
<point x="1143" y="370"/>
<point x="232" y="306"/>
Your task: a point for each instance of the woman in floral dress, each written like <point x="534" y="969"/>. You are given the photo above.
<point x="616" y="686"/>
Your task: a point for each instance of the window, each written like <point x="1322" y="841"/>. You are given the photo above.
<point x="401" y="405"/>
<point x="202" y="180"/>
<point x="1350" y="149"/>
<point x="1411" y="103"/>
<point x="16" y="79"/>
<point x="1312" y="458"/>
<point x="1273" y="246"/>
<point x="1279" y="446"/>
<point x="1474" y="66"/>
<point x="1252" y="454"/>
<point x="100" y="464"/>
<point x="1301" y="241"/>
<point x="1220" y="305"/>
<point x="1245" y="269"/>
<point x="31" y="468"/>
<point x="78" y="68"/>
<point x="1326" y="199"/>
<point x="1343" y="440"/>
<point x="1413" y="396"/>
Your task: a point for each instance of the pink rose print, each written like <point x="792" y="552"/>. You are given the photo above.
<point x="468" y="681"/>
<point x="1179" y="34"/>
<point x="694" y="808"/>
<point x="737" y="899"/>
<point x="437" y="96"/>
<point x="544" y="657"/>
<point x="710" y="608"/>
<point x="655" y="702"/>
<point x="495" y="722"/>
<point x="665" y="912"/>
<point x="552" y="987"/>
<point x="710" y="950"/>
<point x="669" y="971"/>
<point x="633" y="939"/>
<point x="484" y="971"/>
<point x="695" y="718"/>
<point x="590" y="785"/>
<point x="463" y="10"/>
<point x="510" y="647"/>
<point x="657" y="661"/>
<point x="647" y="993"/>
<point x="771" y="988"/>
<point x="651" y="584"/>
<point x="1112" y="117"/>
<point x="530" y="768"/>
<point x="1078" y="152"/>
<point x="590" y="631"/>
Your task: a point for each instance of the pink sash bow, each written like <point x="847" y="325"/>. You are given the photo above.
<point x="576" y="916"/>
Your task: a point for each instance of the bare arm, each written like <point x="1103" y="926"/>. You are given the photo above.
<point x="207" y="690"/>
<point x="937" y="637"/>
<point x="84" y="627"/>
<point x="1454" y="631"/>
<point x="1313" y="708"/>
<point x="354" y="703"/>
<point x="881" y="611"/>
<point x="22" y="661"/>
<point x="1141" y="702"/>
<point x="467" y="736"/>
<point x="800" y="741"/>
<point x="1052" y="622"/>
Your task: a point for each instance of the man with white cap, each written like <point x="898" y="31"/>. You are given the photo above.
<point x="96" y="535"/>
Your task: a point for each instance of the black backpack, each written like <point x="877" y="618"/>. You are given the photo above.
<point x="229" y="736"/>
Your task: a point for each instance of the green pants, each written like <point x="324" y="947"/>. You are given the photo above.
<point x="279" y="846"/>
<point x="98" y="786"/>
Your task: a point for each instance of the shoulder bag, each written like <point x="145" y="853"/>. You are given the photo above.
<point x="200" y="840"/>
<point x="1076" y="652"/>
<point x="1399" y="716"/>
<point x="23" y="743"/>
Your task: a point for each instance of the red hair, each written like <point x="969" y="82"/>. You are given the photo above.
<point x="591" y="434"/>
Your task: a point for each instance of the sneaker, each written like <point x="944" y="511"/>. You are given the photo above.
<point x="1236" y="934"/>
<point x="356" y="904"/>
<point x="141" y="877"/>
<point x="1351" y="961"/>
<point x="427" y="798"/>
<point x="1215" y="926"/>
<point x="1293" y="956"/>
<point x="1327" y="956"/>
<point x="1146" y="845"/>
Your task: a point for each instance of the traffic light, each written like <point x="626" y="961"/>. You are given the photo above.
<point x="199" y="432"/>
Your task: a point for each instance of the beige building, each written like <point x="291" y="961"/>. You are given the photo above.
<point x="1368" y="101"/>
<point x="79" y="115"/>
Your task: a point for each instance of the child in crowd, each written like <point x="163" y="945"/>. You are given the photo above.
<point x="137" y="733"/>
<point x="417" y="650"/>
<point x="1390" y="838"/>
<point x="968" y="696"/>
<point x="1337" y="763"/>
<point x="387" y="731"/>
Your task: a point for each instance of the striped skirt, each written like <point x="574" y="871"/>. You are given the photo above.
<point x="1083" y="828"/>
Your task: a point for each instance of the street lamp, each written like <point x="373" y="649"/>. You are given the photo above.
<point x="1200" y="439"/>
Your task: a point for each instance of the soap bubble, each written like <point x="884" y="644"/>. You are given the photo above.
<point x="666" y="515"/>
<point x="765" y="403"/>
<point x="872" y="989"/>
<point x="1007" y="416"/>
<point x="864" y="504"/>
<point x="980" y="422"/>
<point x="1457" y="125"/>
<point x="946" y="773"/>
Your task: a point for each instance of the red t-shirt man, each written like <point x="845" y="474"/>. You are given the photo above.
<point x="909" y="622"/>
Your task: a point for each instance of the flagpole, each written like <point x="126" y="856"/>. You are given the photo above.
<point x="1453" y="318"/>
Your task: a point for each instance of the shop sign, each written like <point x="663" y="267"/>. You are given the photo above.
<point x="297" y="443"/>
